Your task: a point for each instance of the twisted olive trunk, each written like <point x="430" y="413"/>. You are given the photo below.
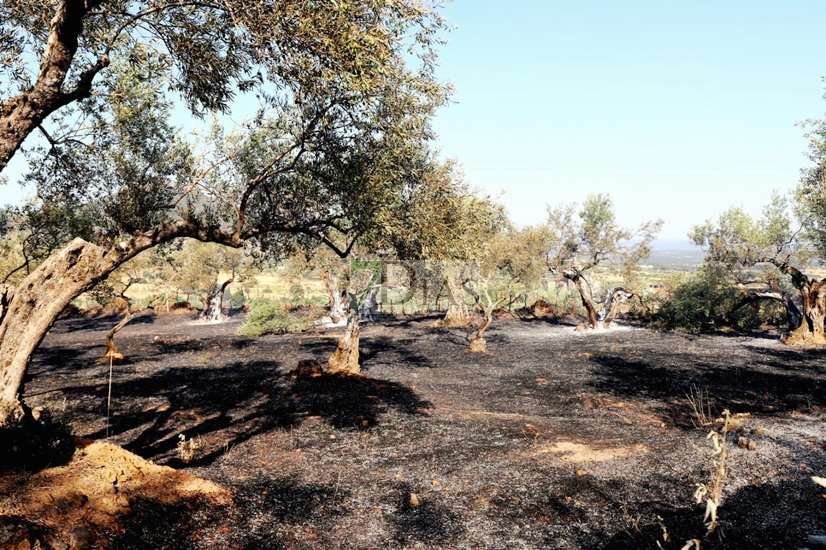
<point x="585" y="295"/>
<point x="457" y="314"/>
<point x="345" y="358"/>
<point x="811" y="330"/>
<point x="34" y="307"/>
<point x="613" y="305"/>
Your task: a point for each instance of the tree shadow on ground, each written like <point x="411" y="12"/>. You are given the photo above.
<point x="155" y="524"/>
<point x="746" y="522"/>
<point x="100" y="322"/>
<point x="374" y="347"/>
<point x="759" y="389"/>
<point x="287" y="506"/>
<point x="241" y="400"/>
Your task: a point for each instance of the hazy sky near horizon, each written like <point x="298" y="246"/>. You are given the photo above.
<point x="677" y="109"/>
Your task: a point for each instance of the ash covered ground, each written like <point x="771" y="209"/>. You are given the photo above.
<point x="555" y="439"/>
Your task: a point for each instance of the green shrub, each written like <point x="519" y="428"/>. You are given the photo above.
<point x="705" y="302"/>
<point x="267" y="317"/>
<point x="298" y="297"/>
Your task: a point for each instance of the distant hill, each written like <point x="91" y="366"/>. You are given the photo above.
<point x="678" y="254"/>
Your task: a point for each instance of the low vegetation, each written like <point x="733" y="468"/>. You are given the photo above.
<point x="268" y="317"/>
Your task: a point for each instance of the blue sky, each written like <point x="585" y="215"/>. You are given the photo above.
<point x="677" y="109"/>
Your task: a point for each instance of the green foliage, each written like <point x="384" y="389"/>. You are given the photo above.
<point x="811" y="193"/>
<point x="705" y="301"/>
<point x="345" y="94"/>
<point x="297" y="294"/>
<point x="579" y="242"/>
<point x="741" y="241"/>
<point x="267" y="317"/>
<point x="237" y="298"/>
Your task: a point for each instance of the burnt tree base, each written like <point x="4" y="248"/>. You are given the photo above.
<point x="478" y="345"/>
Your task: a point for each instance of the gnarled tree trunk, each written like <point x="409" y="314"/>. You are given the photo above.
<point x="592" y="318"/>
<point x="345" y="358"/>
<point x="613" y="304"/>
<point x="478" y="344"/>
<point x="214" y="311"/>
<point x="457" y="314"/>
<point x="811" y="330"/>
<point x="331" y="283"/>
<point x="34" y="307"/>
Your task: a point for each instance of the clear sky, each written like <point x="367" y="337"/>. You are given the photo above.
<point x="677" y="109"/>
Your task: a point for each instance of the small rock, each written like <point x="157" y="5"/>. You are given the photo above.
<point x="80" y="538"/>
<point x="41" y="414"/>
<point x="77" y="498"/>
<point x="581" y="472"/>
<point x="744" y="443"/>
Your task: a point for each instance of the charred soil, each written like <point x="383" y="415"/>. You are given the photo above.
<point x="553" y="439"/>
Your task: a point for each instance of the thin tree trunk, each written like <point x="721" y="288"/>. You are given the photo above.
<point x="112" y="352"/>
<point x="478" y="344"/>
<point x="579" y="281"/>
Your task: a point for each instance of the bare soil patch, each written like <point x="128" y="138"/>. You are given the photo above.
<point x="554" y="439"/>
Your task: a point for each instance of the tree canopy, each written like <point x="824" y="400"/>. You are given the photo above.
<point x="339" y="109"/>
<point x="581" y="241"/>
<point x="56" y="53"/>
<point x="779" y="245"/>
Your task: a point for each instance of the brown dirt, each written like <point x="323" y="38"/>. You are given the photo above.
<point x="96" y="491"/>
<point x="553" y="439"/>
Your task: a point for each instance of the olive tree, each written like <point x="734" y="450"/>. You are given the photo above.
<point x="775" y="245"/>
<point x="511" y="257"/>
<point x="579" y="242"/>
<point x="207" y="269"/>
<point x="115" y="176"/>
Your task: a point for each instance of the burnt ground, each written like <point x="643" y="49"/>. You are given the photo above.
<point x="555" y="439"/>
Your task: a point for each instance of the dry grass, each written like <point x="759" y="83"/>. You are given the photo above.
<point x="700" y="404"/>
